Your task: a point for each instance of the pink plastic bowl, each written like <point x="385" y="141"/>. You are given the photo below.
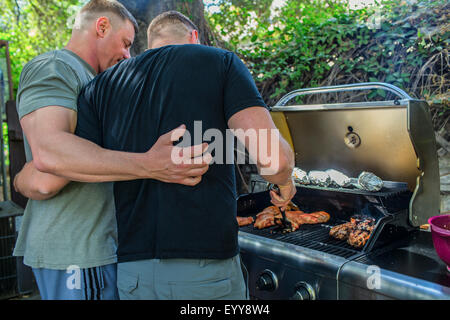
<point x="440" y="232"/>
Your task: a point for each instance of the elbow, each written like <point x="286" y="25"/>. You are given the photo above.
<point x="42" y="162"/>
<point x="45" y="191"/>
<point x="40" y="192"/>
<point x="46" y="196"/>
<point x="44" y="188"/>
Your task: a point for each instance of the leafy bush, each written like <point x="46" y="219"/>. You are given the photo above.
<point x="35" y="27"/>
<point x="319" y="43"/>
<point x="305" y="43"/>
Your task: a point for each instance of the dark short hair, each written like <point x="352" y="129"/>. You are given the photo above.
<point x="112" y="6"/>
<point x="167" y="18"/>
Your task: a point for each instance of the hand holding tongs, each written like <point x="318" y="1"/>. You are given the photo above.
<point x="287" y="226"/>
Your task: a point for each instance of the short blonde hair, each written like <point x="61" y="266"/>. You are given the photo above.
<point x="96" y="8"/>
<point x="176" y="23"/>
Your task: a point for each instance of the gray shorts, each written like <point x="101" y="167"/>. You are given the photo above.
<point x="182" y="279"/>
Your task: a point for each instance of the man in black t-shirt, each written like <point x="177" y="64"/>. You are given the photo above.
<point x="175" y="241"/>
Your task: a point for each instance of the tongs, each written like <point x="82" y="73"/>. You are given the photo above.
<point x="285" y="223"/>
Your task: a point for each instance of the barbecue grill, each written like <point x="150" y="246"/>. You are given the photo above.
<point x="394" y="140"/>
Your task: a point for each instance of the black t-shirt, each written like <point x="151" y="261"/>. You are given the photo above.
<point x="129" y="106"/>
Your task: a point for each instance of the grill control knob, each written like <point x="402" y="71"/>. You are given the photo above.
<point x="304" y="291"/>
<point x="267" y="281"/>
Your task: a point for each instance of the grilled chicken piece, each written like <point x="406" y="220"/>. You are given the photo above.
<point x="366" y="225"/>
<point x="361" y="233"/>
<point x="356" y="232"/>
<point x="291" y="217"/>
<point x="266" y="218"/>
<point x="271" y="216"/>
<point x="342" y="231"/>
<point x="307" y="218"/>
<point x="297" y="218"/>
<point x="272" y="209"/>
<point x="244" y="221"/>
<point x="321" y="216"/>
<point x="358" y="238"/>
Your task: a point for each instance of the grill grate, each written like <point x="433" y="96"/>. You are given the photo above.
<point x="384" y="206"/>
<point x="314" y="237"/>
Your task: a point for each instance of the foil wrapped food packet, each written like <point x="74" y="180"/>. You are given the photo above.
<point x="300" y="176"/>
<point x="320" y="178"/>
<point x="333" y="178"/>
<point x="369" y="182"/>
<point x="338" y="179"/>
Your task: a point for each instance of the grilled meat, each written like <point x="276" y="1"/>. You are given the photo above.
<point x="356" y="232"/>
<point x="366" y="225"/>
<point x="289" y="225"/>
<point x="358" y="238"/>
<point x="300" y="217"/>
<point x="271" y="216"/>
<point x="266" y="218"/>
<point x="342" y="231"/>
<point x="272" y="210"/>
<point x="361" y="233"/>
<point x="291" y="217"/>
<point x="321" y="216"/>
<point x="244" y="221"/>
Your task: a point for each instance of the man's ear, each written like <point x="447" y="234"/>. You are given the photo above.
<point x="102" y="26"/>
<point x="193" y="39"/>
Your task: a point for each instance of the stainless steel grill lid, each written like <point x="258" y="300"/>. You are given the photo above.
<point x="392" y="139"/>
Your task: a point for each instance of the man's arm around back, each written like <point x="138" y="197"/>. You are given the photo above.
<point x="58" y="151"/>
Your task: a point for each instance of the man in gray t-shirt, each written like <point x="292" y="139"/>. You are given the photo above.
<point x="69" y="237"/>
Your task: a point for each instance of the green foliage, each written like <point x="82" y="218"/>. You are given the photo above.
<point x="316" y="43"/>
<point x="33" y="27"/>
<point x="305" y="43"/>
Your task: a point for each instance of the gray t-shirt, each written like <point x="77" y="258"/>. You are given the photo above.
<point x="77" y="226"/>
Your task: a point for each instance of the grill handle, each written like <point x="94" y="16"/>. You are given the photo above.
<point x="347" y="87"/>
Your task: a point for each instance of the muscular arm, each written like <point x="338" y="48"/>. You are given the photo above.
<point x="57" y="151"/>
<point x="277" y="161"/>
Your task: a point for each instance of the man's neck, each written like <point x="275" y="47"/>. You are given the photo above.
<point x="168" y="42"/>
<point x="84" y="51"/>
